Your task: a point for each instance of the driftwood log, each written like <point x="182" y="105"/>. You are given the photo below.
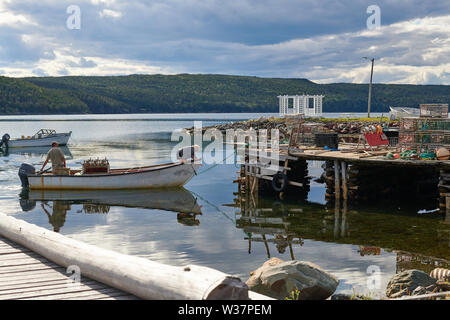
<point x="139" y="276"/>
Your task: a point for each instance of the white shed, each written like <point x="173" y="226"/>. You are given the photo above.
<point x="310" y="106"/>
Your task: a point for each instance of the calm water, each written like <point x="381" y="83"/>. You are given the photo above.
<point x="198" y="225"/>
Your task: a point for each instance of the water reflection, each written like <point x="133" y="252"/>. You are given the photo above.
<point x="282" y="226"/>
<point x="30" y="151"/>
<point x="57" y="217"/>
<point x="56" y="203"/>
<point x="188" y="219"/>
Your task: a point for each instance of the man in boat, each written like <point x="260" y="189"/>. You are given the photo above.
<point x="56" y="156"/>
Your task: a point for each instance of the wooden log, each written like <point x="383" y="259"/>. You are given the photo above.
<point x="139" y="276"/>
<point x="270" y="178"/>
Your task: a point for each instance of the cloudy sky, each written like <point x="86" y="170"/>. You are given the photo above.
<point x="322" y="40"/>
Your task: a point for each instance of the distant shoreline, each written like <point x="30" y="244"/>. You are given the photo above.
<point x="211" y="117"/>
<point x="185" y="93"/>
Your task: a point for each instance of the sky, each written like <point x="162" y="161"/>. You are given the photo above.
<point x="321" y="40"/>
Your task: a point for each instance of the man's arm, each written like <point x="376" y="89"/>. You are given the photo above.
<point x="45" y="163"/>
<point x="46" y="160"/>
<point x="45" y="210"/>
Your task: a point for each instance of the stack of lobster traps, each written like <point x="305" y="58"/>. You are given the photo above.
<point x="428" y="132"/>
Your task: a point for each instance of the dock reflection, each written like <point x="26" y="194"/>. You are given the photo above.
<point x="56" y="203"/>
<point x="281" y="225"/>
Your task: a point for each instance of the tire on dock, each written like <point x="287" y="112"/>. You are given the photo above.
<point x="280" y="182"/>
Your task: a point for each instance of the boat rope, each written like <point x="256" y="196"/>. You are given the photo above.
<point x="211" y="204"/>
<point x="193" y="168"/>
<point x="216" y="164"/>
<point x="215" y="207"/>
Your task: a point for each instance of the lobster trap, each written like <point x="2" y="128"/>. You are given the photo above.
<point x="434" y="110"/>
<point x="429" y="131"/>
<point x="95" y="166"/>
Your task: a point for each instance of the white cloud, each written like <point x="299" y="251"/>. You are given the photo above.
<point x="11" y="19"/>
<point x="110" y="13"/>
<point x="65" y="64"/>
<point x="174" y="36"/>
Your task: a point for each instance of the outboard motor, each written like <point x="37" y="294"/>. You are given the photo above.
<point x="5" y="140"/>
<point x="25" y="170"/>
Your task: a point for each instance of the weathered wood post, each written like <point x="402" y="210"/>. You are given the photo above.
<point x="344" y="218"/>
<point x="329" y="180"/>
<point x="447" y="205"/>
<point x="344" y="180"/>
<point x="337" y="179"/>
<point x="447" y="217"/>
<point x="337" y="208"/>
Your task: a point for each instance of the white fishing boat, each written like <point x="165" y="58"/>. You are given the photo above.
<point x="401" y="112"/>
<point x="42" y="138"/>
<point x="173" y="174"/>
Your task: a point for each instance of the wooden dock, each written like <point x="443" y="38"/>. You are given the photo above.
<point x="36" y="263"/>
<point x="25" y="275"/>
<point x="350" y="173"/>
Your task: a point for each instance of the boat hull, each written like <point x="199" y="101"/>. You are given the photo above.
<point x="61" y="138"/>
<point x="161" y="176"/>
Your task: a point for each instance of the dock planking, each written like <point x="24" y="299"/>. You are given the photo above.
<point x="25" y="275"/>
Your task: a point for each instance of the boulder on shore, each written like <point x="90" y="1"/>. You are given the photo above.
<point x="406" y="283"/>
<point x="278" y="279"/>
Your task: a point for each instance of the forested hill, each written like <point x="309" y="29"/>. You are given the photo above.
<point x="196" y="93"/>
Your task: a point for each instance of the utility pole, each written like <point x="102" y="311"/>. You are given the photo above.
<point x="370" y="87"/>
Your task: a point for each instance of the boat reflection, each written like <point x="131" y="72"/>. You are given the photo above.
<point x="34" y="151"/>
<point x="56" y="203"/>
<point x="426" y="238"/>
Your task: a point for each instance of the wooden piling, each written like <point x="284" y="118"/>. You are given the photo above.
<point x="344" y="180"/>
<point x="337" y="179"/>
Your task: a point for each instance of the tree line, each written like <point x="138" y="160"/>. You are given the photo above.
<point x="197" y="93"/>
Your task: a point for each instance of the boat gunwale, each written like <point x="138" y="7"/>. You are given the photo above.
<point x="153" y="168"/>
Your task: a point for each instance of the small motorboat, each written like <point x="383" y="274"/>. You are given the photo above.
<point x="101" y="177"/>
<point x="42" y="138"/>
